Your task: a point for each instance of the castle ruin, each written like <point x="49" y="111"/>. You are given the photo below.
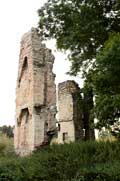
<point x="35" y="95"/>
<point x="36" y="123"/>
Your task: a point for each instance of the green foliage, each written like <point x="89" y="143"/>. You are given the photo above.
<point x="2" y="148"/>
<point x="88" y="118"/>
<point x="80" y="161"/>
<point x="6" y="146"/>
<point x="8" y="130"/>
<point x="81" y="26"/>
<point x="106" y="82"/>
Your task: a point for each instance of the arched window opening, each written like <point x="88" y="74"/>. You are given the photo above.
<point x="24" y="115"/>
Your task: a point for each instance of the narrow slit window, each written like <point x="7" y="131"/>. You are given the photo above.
<point x="24" y="69"/>
<point x="65" y="136"/>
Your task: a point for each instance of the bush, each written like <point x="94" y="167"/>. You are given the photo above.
<point x="81" y="161"/>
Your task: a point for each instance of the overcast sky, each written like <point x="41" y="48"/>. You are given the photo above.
<point x="16" y="18"/>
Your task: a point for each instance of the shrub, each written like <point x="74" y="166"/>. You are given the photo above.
<point x="80" y="161"/>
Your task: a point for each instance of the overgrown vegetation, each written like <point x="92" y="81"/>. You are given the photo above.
<point x="80" y="161"/>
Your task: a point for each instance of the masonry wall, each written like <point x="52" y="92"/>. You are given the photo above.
<point x="35" y="95"/>
<point x="70" y="125"/>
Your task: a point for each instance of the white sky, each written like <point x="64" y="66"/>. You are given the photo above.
<point x="16" y="18"/>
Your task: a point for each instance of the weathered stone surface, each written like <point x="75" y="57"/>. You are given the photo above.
<point x="35" y="95"/>
<point x="70" y="125"/>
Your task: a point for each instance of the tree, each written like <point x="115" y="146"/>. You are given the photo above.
<point x="81" y="26"/>
<point x="8" y="130"/>
<point x="88" y="105"/>
<point x="106" y="83"/>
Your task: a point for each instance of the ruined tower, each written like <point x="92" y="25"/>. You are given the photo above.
<point x="35" y="95"/>
<point x="70" y="124"/>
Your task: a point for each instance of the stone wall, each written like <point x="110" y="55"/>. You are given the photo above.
<point x="35" y="95"/>
<point x="70" y="125"/>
